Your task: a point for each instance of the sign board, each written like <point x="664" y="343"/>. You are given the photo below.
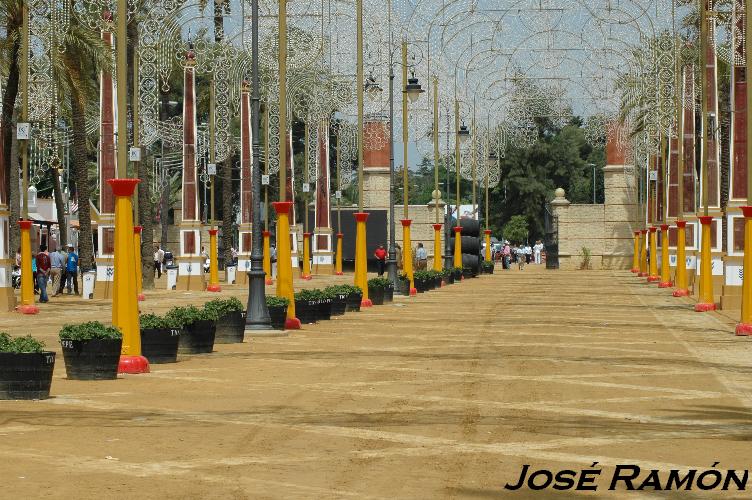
<point x="306" y="187"/>
<point x="211" y="168"/>
<point x="264" y="180"/>
<point x="23" y="130"/>
<point x="338" y="194"/>
<point x="653" y="175"/>
<point x="134" y="154"/>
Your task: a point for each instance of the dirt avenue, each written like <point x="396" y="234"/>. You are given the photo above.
<point x="446" y="395"/>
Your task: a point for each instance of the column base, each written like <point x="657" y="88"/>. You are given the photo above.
<point x="635" y="270"/>
<point x="269" y="281"/>
<point x="141" y="297"/>
<point x="27" y="309"/>
<point x="133" y="364"/>
<point x="292" y="324"/>
<point x="306" y="277"/>
<point x="339" y="274"/>
<point x="652" y="279"/>
<point x="665" y="284"/>
<point x="704" y="307"/>
<point x="743" y="329"/>
<point x="413" y="292"/>
<point x="213" y="288"/>
<point x="366" y="303"/>
<point x="682" y="292"/>
<point x="642" y="275"/>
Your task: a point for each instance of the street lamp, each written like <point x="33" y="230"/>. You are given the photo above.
<point x="413" y="88"/>
<point x="372" y="88"/>
<point x="463" y="134"/>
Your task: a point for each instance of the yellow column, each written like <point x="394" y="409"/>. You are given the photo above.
<point x="137" y="262"/>
<point x="268" y="258"/>
<point x="407" y="256"/>
<point x="437" y="260"/>
<point x="458" y="247"/>
<point x="361" y="262"/>
<point x="744" y="327"/>
<point x="27" y="278"/>
<point x="681" y="260"/>
<point x="213" y="285"/>
<point x="643" y="253"/>
<point x="338" y="261"/>
<point x="665" y="266"/>
<point x="487" y="255"/>
<point x="653" y="276"/>
<point x="636" y="255"/>
<point x="706" y="299"/>
<point x="284" y="264"/>
<point x="306" y="275"/>
<point x="125" y="301"/>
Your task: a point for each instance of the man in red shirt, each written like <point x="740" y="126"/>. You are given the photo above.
<point x="380" y="255"/>
<point x="43" y="272"/>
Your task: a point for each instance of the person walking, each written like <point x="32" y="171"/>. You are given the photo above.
<point x="63" y="271"/>
<point x="400" y="263"/>
<point x="57" y="263"/>
<point x="506" y="253"/>
<point x="528" y="253"/>
<point x="380" y="255"/>
<point x="71" y="270"/>
<point x="273" y="258"/>
<point x="520" y="251"/>
<point x="537" y="249"/>
<point x="158" y="259"/>
<point x="421" y="256"/>
<point x="43" y="273"/>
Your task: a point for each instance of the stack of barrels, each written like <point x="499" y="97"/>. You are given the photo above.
<point x="471" y="260"/>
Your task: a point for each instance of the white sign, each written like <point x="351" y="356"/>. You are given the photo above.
<point x="211" y="168"/>
<point x="264" y="180"/>
<point x="306" y="187"/>
<point x="23" y="130"/>
<point x="653" y="175"/>
<point x="134" y="154"/>
<point x="338" y="194"/>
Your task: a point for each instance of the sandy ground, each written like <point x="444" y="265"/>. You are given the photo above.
<point x="445" y="395"/>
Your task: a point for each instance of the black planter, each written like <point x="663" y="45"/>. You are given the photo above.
<point x="324" y="309"/>
<point x="389" y="294"/>
<point x="278" y="315"/>
<point x="376" y="295"/>
<point x="488" y="270"/>
<point x="306" y="311"/>
<point x="467" y="272"/>
<point x="353" y="302"/>
<point x="26" y="375"/>
<point x="420" y="285"/>
<point x="457" y="274"/>
<point x="230" y="328"/>
<point x="160" y="345"/>
<point x="198" y="338"/>
<point x="437" y="282"/>
<point x="403" y="287"/>
<point x="95" y="359"/>
<point x="448" y="280"/>
<point x="339" y="305"/>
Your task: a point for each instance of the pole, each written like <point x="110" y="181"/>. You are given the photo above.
<point x="391" y="263"/>
<point x="306" y="274"/>
<point x="361" y="259"/>
<point x="407" y="252"/>
<point x="681" y="255"/>
<point x="437" y="264"/>
<point x="213" y="285"/>
<point x="745" y="324"/>
<point x="257" y="317"/>
<point x="458" y="159"/>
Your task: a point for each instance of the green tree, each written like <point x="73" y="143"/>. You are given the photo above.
<point x="516" y="230"/>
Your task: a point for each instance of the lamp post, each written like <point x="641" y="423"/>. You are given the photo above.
<point x="462" y="135"/>
<point x="257" y="317"/>
<point x="490" y="164"/>
<point x="745" y="323"/>
<point x="437" y="264"/>
<point x="391" y="262"/>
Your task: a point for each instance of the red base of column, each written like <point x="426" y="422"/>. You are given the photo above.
<point x="665" y="284"/>
<point x="642" y="275"/>
<point x="413" y="292"/>
<point x="704" y="307"/>
<point x="366" y="303"/>
<point x="141" y="297"/>
<point x="339" y="274"/>
<point x="133" y="364"/>
<point x="743" y="329"/>
<point x="269" y="281"/>
<point x="635" y="270"/>
<point x="30" y="309"/>
<point x="307" y="277"/>
<point x="213" y="288"/>
<point x="292" y="324"/>
<point x="652" y="279"/>
<point x="681" y="293"/>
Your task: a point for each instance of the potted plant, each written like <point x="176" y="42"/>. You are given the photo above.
<point x="199" y="329"/>
<point x="420" y="278"/>
<point x="277" y="310"/>
<point x="307" y="304"/>
<point x="447" y="276"/>
<point x="354" y="298"/>
<point x="230" y="320"/>
<point x="91" y="350"/>
<point x="457" y="272"/>
<point x="437" y="278"/>
<point x="403" y="284"/>
<point x="159" y="338"/>
<point x="488" y="267"/>
<point x="325" y="305"/>
<point x="339" y="295"/>
<point x="389" y="292"/>
<point x="467" y="272"/>
<point x="376" y="288"/>
<point x="25" y="368"/>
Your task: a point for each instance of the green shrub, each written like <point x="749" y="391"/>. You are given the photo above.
<point x="446" y="272"/>
<point x="487" y="264"/>
<point x="89" y="331"/>
<point x="222" y="307"/>
<point x="24" y="344"/>
<point x="403" y="276"/>
<point x="457" y="269"/>
<point x="310" y="294"/>
<point x="274" y="301"/>
<point x="382" y="283"/>
<point x="155" y="322"/>
<point x="182" y="316"/>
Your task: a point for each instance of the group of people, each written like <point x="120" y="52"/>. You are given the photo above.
<point x="59" y="266"/>
<point x="420" y="258"/>
<point x="519" y="254"/>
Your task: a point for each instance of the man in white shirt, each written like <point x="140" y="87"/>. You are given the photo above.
<point x="537" y="249"/>
<point x="158" y="259"/>
<point x="422" y="257"/>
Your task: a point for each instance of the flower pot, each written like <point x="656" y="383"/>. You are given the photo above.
<point x="448" y="280"/>
<point x="420" y="285"/>
<point x="324" y="309"/>
<point x="403" y="287"/>
<point x="437" y="282"/>
<point x="457" y="274"/>
<point x="306" y="311"/>
<point x="95" y="359"/>
<point x="488" y="270"/>
<point x="278" y="315"/>
<point x="353" y="301"/>
<point x="26" y="375"/>
<point x="230" y="328"/>
<point x="339" y="305"/>
<point x="197" y="338"/>
<point x="160" y="345"/>
<point x="467" y="272"/>
<point x="389" y="294"/>
<point x="376" y="294"/>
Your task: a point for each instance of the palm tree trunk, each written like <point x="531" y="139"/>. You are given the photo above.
<point x="146" y="219"/>
<point x="59" y="207"/>
<point x="81" y="177"/>
<point x="164" y="200"/>
<point x="14" y="196"/>
<point x="227" y="213"/>
<point x="7" y="125"/>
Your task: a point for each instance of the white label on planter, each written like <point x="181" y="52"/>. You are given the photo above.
<point x="174" y="333"/>
<point x="67" y="343"/>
